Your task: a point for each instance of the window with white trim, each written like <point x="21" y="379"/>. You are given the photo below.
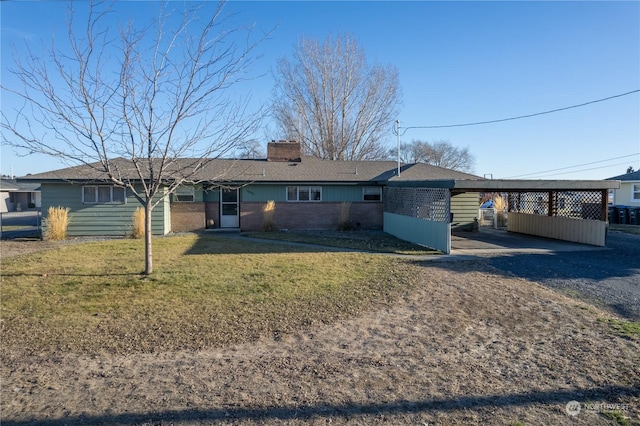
<point x="635" y="192"/>
<point x="185" y="194"/>
<point x="103" y="195"/>
<point x="372" y="193"/>
<point x="304" y="193"/>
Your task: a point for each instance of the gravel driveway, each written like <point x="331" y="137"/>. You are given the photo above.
<point x="609" y="278"/>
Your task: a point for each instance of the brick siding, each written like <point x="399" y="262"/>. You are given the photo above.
<point x="311" y="215"/>
<point x="187" y="217"/>
<point x="212" y="215"/>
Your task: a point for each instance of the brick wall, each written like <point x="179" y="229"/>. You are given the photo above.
<point x="187" y="217"/>
<point x="311" y="215"/>
<point x="283" y="151"/>
<point x="212" y="215"/>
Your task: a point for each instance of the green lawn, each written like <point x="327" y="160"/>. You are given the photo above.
<point x="205" y="291"/>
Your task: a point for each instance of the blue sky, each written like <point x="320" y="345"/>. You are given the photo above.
<point x="459" y="62"/>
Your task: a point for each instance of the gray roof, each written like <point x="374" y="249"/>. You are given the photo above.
<point x="11" y="185"/>
<point x="627" y="176"/>
<point x="310" y="169"/>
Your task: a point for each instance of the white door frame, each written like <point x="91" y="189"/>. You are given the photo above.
<point x="230" y="206"/>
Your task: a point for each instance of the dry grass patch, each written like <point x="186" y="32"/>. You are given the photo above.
<point x="138" y="226"/>
<point x="205" y="292"/>
<point x="376" y="241"/>
<point x="467" y="346"/>
<point x="628" y="229"/>
<point x="54" y="226"/>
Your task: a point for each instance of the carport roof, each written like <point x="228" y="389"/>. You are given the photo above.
<point x="509" y="185"/>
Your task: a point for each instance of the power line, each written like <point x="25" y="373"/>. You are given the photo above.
<point x="521" y="116"/>
<point x="572" y="167"/>
<point x="584" y="170"/>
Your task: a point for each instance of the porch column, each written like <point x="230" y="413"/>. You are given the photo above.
<point x="604" y="205"/>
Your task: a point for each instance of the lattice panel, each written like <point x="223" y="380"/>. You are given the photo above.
<point x="575" y="204"/>
<point x="424" y="203"/>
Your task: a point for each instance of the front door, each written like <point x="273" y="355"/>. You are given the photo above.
<point x="229" y="208"/>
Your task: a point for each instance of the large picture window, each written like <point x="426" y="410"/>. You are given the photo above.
<point x="103" y="195"/>
<point x="372" y="193"/>
<point x="304" y="193"/>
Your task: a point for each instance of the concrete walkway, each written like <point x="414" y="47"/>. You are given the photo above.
<point x="497" y="242"/>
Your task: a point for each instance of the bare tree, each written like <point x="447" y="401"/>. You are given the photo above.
<point x="251" y="149"/>
<point x="329" y="99"/>
<point x="439" y="153"/>
<point x="149" y="96"/>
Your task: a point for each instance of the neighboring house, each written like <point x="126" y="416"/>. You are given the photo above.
<point x="19" y="196"/>
<point x="308" y="193"/>
<point x="629" y="192"/>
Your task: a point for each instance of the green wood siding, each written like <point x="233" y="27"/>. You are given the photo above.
<point x="330" y="193"/>
<point x="196" y="190"/>
<point x="211" y="195"/>
<point x="263" y="193"/>
<point x="97" y="219"/>
<point x="465" y="209"/>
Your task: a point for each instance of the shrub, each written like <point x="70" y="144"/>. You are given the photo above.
<point x="56" y="223"/>
<point x="344" y="223"/>
<point x="138" y="223"/>
<point x="499" y="203"/>
<point x="268" y="211"/>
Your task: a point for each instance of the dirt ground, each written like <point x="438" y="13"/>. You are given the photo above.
<point x="470" y="346"/>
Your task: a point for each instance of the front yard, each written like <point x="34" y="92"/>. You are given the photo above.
<point x="234" y="331"/>
<point x="206" y="292"/>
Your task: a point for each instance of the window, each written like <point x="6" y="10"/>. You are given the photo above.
<point x="372" y="193"/>
<point x="304" y="193"/>
<point x="185" y="194"/>
<point x="103" y="195"/>
<point x="185" y="198"/>
<point x="635" y="192"/>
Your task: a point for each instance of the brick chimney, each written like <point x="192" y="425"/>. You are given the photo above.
<point x="283" y="151"/>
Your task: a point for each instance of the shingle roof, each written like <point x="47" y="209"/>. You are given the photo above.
<point x="11" y="185"/>
<point x="310" y="169"/>
<point x="627" y="176"/>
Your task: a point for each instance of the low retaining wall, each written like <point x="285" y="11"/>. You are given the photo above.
<point x="428" y="233"/>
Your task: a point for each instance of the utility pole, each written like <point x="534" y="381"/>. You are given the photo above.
<point x="398" y="123"/>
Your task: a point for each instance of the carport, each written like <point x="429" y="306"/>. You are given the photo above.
<point x="424" y="212"/>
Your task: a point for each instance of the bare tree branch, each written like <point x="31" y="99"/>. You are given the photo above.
<point x="150" y="96"/>
<point x="438" y="153"/>
<point x="334" y="103"/>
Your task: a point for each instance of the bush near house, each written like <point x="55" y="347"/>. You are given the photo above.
<point x="268" y="211"/>
<point x="56" y="223"/>
<point x="138" y="223"/>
